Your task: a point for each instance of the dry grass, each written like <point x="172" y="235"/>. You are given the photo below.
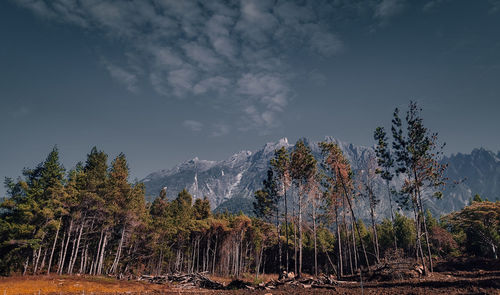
<point x="246" y="277"/>
<point x="74" y="285"/>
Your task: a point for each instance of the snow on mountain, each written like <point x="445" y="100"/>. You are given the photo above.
<point x="230" y="184"/>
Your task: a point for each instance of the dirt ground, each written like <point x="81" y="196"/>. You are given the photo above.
<point x="452" y="277"/>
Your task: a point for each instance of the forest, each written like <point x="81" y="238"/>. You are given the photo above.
<point x="92" y="220"/>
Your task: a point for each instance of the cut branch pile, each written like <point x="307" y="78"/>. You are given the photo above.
<point x="397" y="270"/>
<point x="186" y="281"/>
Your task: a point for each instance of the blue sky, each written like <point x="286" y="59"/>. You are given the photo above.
<point x="165" y="81"/>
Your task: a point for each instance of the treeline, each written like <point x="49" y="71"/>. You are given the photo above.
<point x="312" y="194"/>
<point x="93" y="220"/>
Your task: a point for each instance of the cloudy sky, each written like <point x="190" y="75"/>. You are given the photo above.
<point x="165" y="81"/>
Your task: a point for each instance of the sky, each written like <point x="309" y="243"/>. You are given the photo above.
<point x="167" y="81"/>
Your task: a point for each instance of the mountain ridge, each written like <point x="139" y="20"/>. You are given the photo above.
<point x="230" y="183"/>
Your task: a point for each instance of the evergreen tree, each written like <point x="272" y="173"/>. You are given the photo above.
<point x="281" y="167"/>
<point x="266" y="205"/>
<point x="367" y="189"/>
<point x="339" y="174"/>
<point x="417" y="156"/>
<point x="303" y="171"/>
<point x="386" y="164"/>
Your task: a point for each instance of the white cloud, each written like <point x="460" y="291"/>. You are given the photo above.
<point x="182" y="80"/>
<point x="203" y="56"/>
<point x="270" y="88"/>
<point x="389" y="8"/>
<point x="164" y="57"/>
<point x="325" y="43"/>
<point x="256" y="23"/>
<point x="192" y="125"/>
<point x="218" y="84"/>
<point x="233" y="53"/>
<point x="122" y="76"/>
<point x="218" y="31"/>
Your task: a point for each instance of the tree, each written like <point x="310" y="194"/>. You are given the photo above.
<point x="201" y="209"/>
<point x="367" y="179"/>
<point x="340" y="180"/>
<point x="386" y="164"/>
<point x="303" y="171"/>
<point x="405" y="232"/>
<point x="480" y="222"/>
<point x="417" y="156"/>
<point x="316" y="196"/>
<point x="266" y="205"/>
<point x="281" y="167"/>
<point x="31" y="213"/>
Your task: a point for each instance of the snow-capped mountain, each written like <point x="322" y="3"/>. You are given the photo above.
<point x="230" y="184"/>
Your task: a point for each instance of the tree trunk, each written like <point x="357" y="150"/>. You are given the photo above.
<point x="374" y="228"/>
<point x="425" y="229"/>
<point x="54" y="246"/>
<point x="114" y="267"/>
<point x="392" y="215"/>
<point x="418" y="201"/>
<point x="315" y="240"/>
<point x="101" y="258"/>
<point x="35" y="270"/>
<point x="93" y="268"/>
<point x="215" y="254"/>
<point x="61" y="252"/>
<point x="294" y="239"/>
<point x="300" y="235"/>
<point x="25" y="266"/>
<point x="83" y="262"/>
<point x="42" y="265"/>
<point x="72" y="253"/>
<point x="72" y="262"/>
<point x="340" y="267"/>
<point x="60" y="270"/>
<point x="354" y="246"/>
<point x="418" y="226"/>
<point x="207" y="255"/>
<point x="354" y="219"/>
<point x="278" y="232"/>
<point x="329" y="259"/>
<point x="286" y="233"/>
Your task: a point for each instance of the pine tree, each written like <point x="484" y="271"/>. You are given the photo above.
<point x="303" y="171"/>
<point x="281" y="167"/>
<point x="367" y="189"/>
<point x="266" y="206"/>
<point x="417" y="156"/>
<point x="386" y="164"/>
<point x="340" y="178"/>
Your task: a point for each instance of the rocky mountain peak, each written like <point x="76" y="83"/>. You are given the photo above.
<point x="231" y="183"/>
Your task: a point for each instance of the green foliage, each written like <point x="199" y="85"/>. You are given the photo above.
<point x="385" y="231"/>
<point x="383" y="152"/>
<point x="431" y="222"/>
<point x="302" y="165"/>
<point x="477" y="228"/>
<point x="267" y="199"/>
<point x="476" y="198"/>
<point x="93" y="220"/>
<point x="405" y="232"/>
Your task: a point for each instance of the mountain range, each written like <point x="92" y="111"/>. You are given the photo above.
<point x="229" y="184"/>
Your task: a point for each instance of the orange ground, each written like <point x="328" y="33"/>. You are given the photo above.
<point x="456" y="282"/>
